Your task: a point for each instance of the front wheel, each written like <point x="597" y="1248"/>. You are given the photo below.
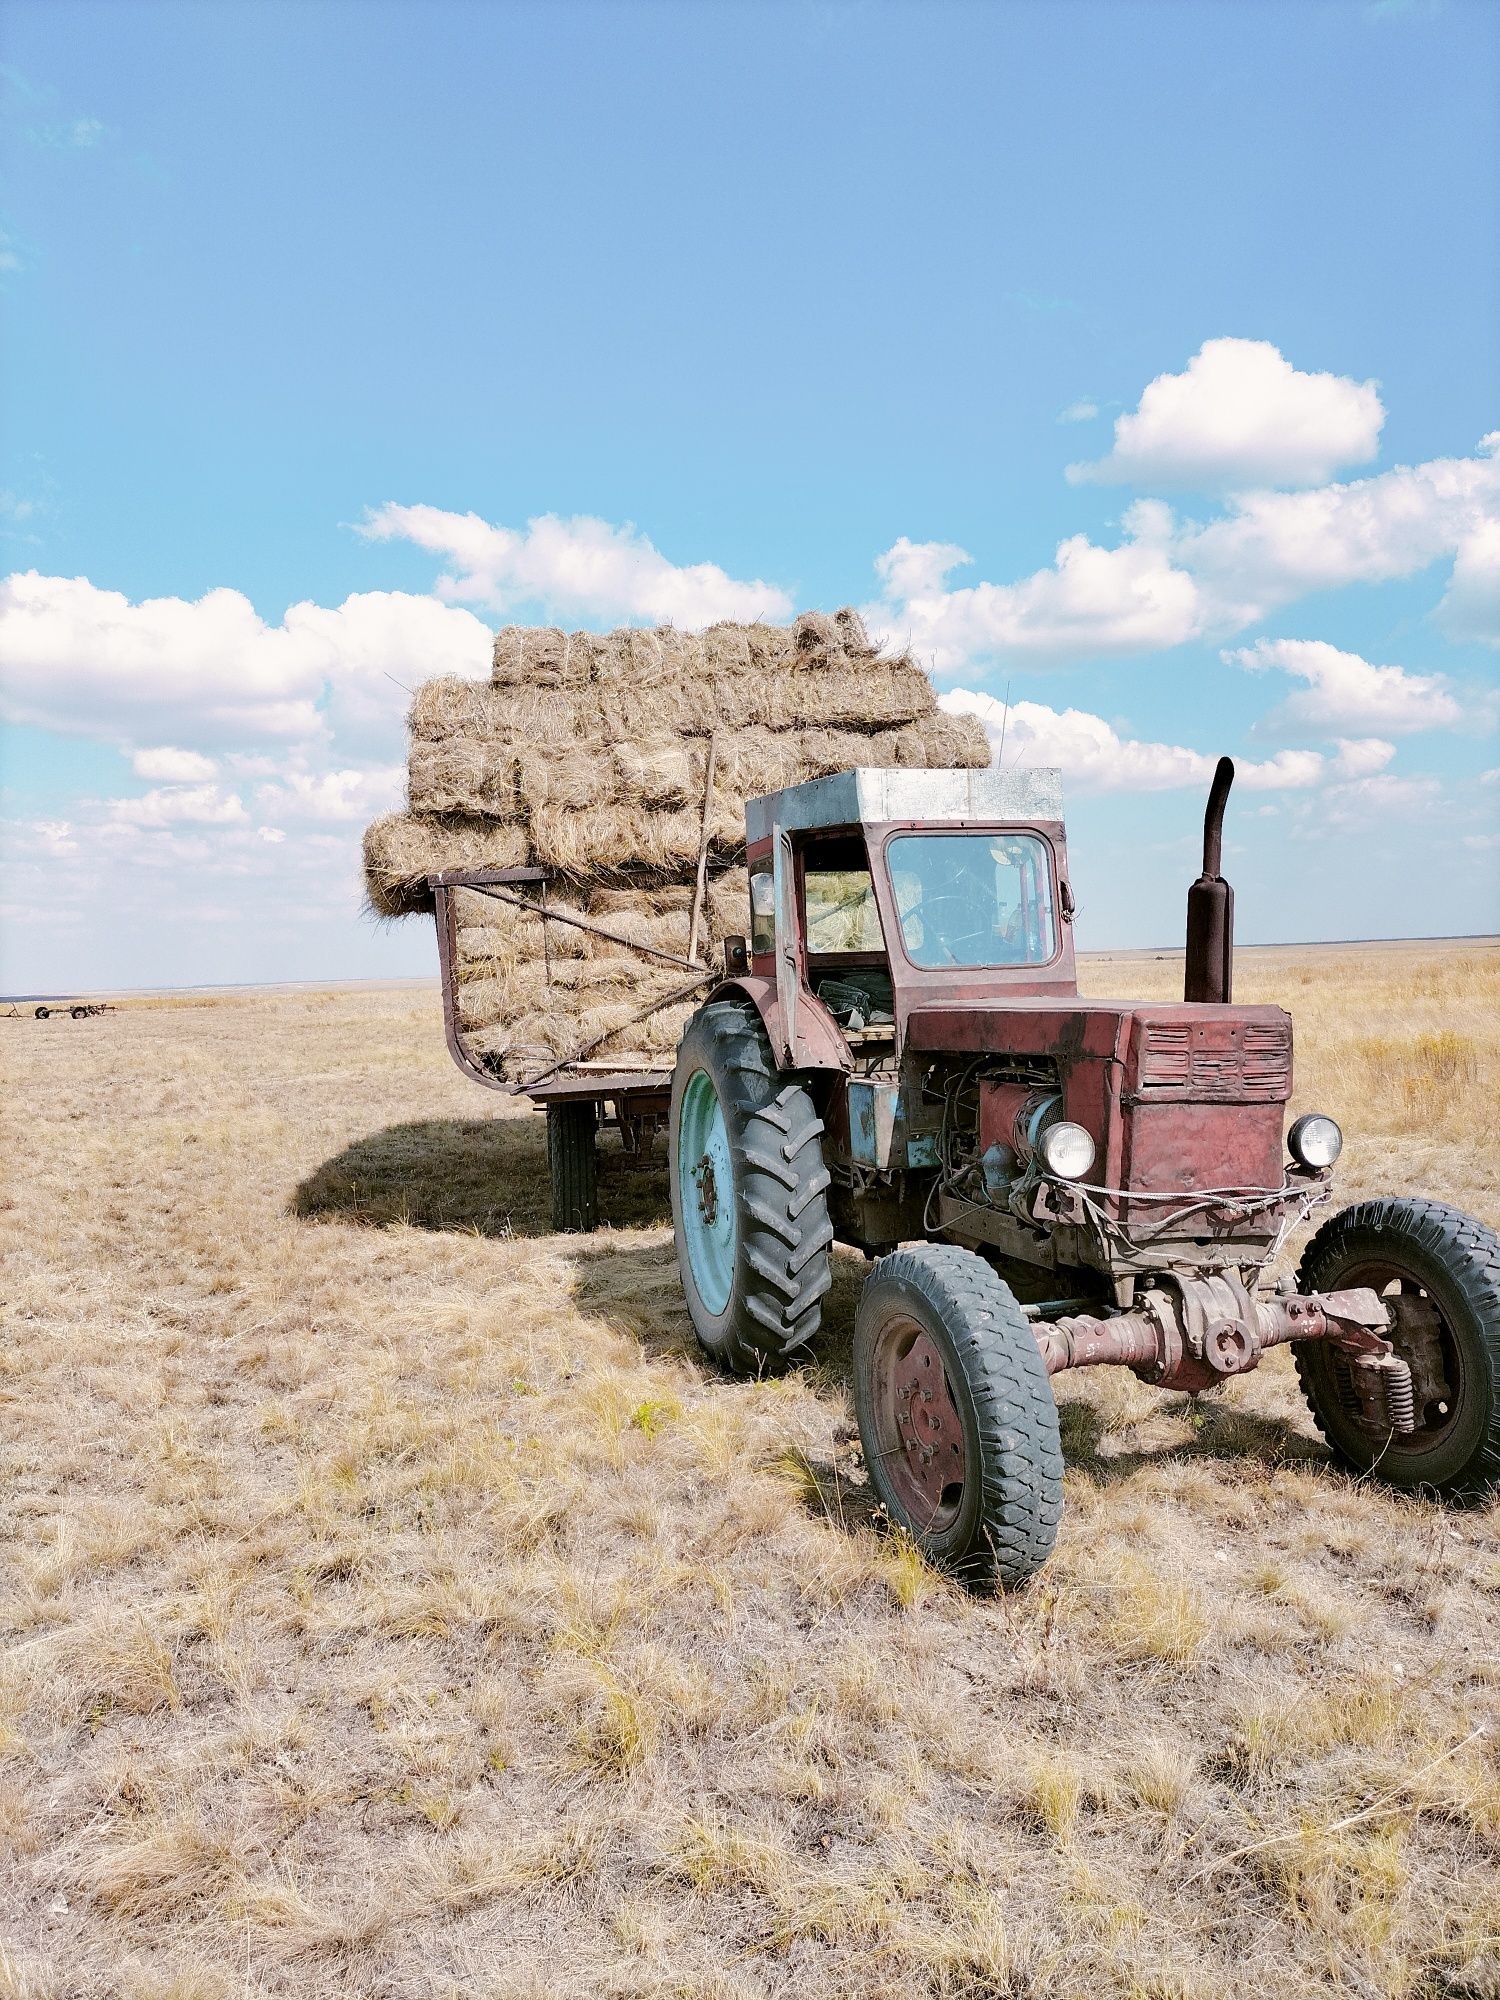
<point x="956" y="1415"/>
<point x="1439" y="1272"/>
<point x="749" y="1193"/>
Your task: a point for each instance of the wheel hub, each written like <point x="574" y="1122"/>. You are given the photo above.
<point x="706" y="1182"/>
<point x="922" y="1433"/>
<point x="1424" y="1342"/>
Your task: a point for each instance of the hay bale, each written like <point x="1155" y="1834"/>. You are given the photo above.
<point x="541" y="657"/>
<point x="611" y="841"/>
<point x="463" y="774"/>
<point x="402" y="849"/>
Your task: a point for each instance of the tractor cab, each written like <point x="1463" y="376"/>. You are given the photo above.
<point x="875" y="893"/>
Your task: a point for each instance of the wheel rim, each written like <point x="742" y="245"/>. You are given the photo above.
<point x="923" y="1455"/>
<point x="1424" y="1340"/>
<point x="705" y="1189"/>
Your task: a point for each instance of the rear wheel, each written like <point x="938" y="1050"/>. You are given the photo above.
<point x="42" y="1013"/>
<point x="1439" y="1272"/>
<point x="956" y="1414"/>
<point x="749" y="1193"/>
<point x="572" y="1163"/>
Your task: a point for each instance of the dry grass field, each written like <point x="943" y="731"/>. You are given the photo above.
<point x="394" y="1604"/>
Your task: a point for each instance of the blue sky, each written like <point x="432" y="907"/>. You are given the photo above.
<point x="764" y="306"/>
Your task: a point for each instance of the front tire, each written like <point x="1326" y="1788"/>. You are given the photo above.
<point x="956" y="1415"/>
<point x="749" y="1193"/>
<point x="1439" y="1270"/>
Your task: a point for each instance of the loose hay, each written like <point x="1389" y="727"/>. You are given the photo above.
<point x="587" y="755"/>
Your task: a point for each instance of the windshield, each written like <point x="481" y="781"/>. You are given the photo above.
<point x="973" y="898"/>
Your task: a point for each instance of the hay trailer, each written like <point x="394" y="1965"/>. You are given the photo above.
<point x="580" y="1093"/>
<point x="77" y="1010"/>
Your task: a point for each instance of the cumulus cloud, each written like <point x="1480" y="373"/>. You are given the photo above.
<point x="167" y="766"/>
<point x="1240" y="415"/>
<point x="588" y="567"/>
<point x="1471" y="605"/>
<point x="210" y="670"/>
<point x="1171" y="581"/>
<point x="1078" y="413"/>
<point x="1374" y="800"/>
<point x="1345" y="692"/>
<point x="1272" y="548"/>
<point x="175" y="805"/>
<point x="1091" y="601"/>
<point x="1094" y="757"/>
<point x="348" y="795"/>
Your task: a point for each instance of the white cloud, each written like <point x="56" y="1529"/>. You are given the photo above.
<point x="1091" y="601"/>
<point x="1346" y="692"/>
<point x="172" y="805"/>
<point x="1471" y="605"/>
<point x="171" y="767"/>
<point x="1362" y="756"/>
<point x="1273" y="548"/>
<point x="1169" y="581"/>
<point x="1094" y="757"/>
<point x="1078" y="413"/>
<point x="583" y="567"/>
<point x="87" y="661"/>
<point x="54" y="837"/>
<point x="334" y="795"/>
<point x="1240" y="415"/>
<point x="1378" y="799"/>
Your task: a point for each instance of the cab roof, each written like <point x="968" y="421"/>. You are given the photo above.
<point x="853" y="798"/>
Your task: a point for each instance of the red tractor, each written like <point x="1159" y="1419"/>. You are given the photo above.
<point x="900" y="1059"/>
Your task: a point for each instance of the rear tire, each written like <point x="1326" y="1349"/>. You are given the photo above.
<point x="572" y="1163"/>
<point x="42" y="1013"/>
<point x="956" y="1415"/>
<point x="1442" y="1268"/>
<point x="749" y="1193"/>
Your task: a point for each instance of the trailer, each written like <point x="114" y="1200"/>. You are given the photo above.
<point x="581" y="1095"/>
<point x="77" y="1010"/>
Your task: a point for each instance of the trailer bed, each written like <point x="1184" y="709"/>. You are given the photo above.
<point x="580" y="1096"/>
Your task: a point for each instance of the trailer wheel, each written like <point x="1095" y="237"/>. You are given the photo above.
<point x="42" y="1013"/>
<point x="956" y="1415"/>
<point x="572" y="1163"/>
<point x="749" y="1193"/>
<point x="80" y="1013"/>
<point x="1439" y="1271"/>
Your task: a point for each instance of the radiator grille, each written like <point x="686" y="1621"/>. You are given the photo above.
<point x="1216" y="1062"/>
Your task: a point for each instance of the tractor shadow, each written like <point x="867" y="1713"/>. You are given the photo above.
<point x="478" y="1176"/>
<point x="488" y="1177"/>
<point x="1219" y="1432"/>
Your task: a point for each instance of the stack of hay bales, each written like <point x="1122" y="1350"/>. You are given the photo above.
<point x="587" y="756"/>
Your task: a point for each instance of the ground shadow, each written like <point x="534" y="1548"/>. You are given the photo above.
<point x="484" y="1176"/>
<point x="1219" y="1431"/>
<point x="488" y="1177"/>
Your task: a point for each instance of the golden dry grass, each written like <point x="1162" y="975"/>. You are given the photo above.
<point x="395" y="1605"/>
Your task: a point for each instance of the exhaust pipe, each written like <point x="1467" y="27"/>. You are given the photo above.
<point x="1209" y="974"/>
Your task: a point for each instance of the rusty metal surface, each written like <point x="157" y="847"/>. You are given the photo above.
<point x="1192" y="1332"/>
<point x="920" y="1430"/>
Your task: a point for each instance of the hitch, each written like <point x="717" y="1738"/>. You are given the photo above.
<point x="1190" y="1333"/>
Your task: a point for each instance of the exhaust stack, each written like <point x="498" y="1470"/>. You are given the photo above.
<point x="1209" y="974"/>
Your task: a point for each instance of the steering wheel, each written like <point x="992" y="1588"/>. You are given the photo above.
<point x="930" y="908"/>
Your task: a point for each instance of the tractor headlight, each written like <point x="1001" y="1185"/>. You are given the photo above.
<point x="1315" y="1140"/>
<point x="1067" y="1151"/>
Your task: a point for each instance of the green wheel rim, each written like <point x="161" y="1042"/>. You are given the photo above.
<point x="705" y="1191"/>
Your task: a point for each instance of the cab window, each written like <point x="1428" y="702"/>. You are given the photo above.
<point x="973" y="899"/>
<point x="838" y="899"/>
